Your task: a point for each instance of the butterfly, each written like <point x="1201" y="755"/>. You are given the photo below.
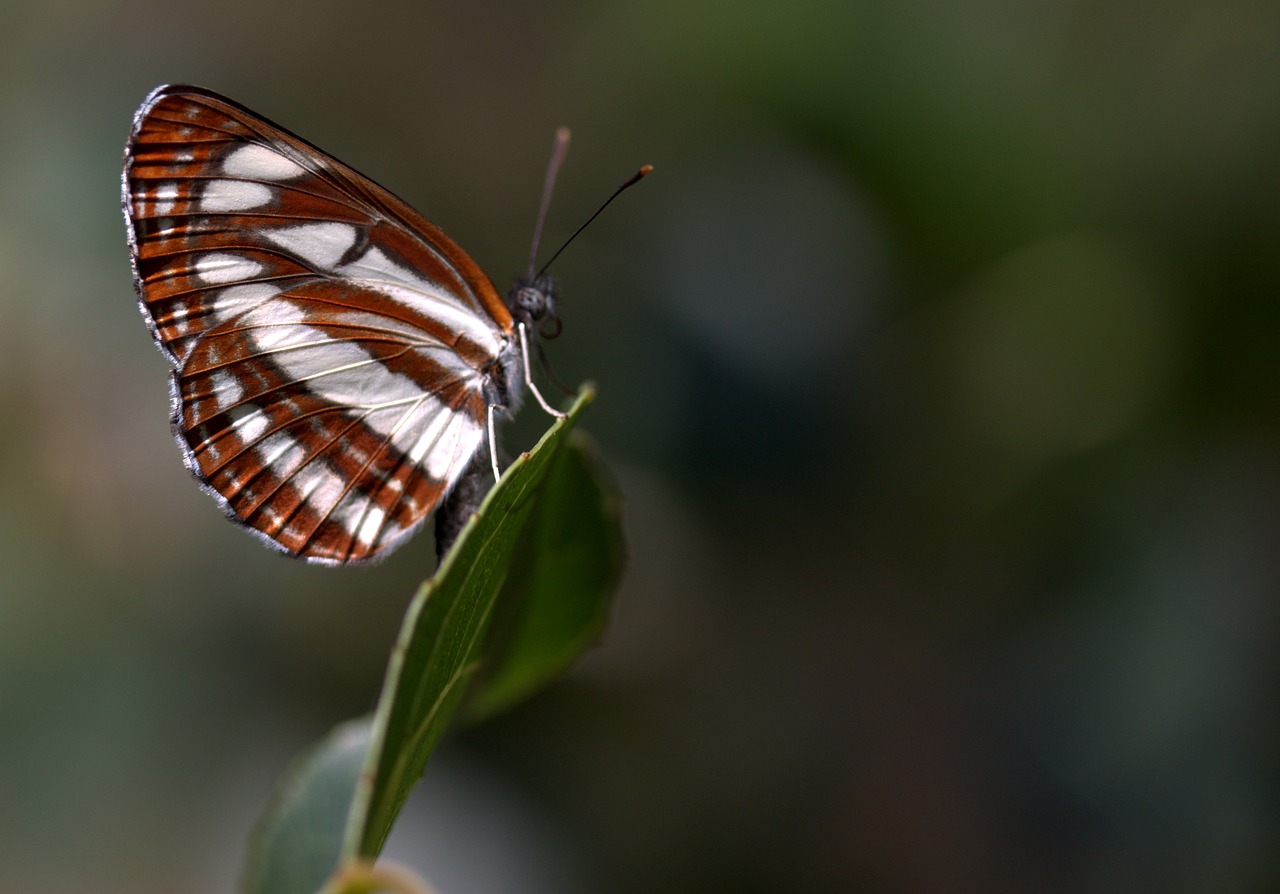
<point x="336" y="358"/>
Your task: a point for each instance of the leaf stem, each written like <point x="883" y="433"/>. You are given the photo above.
<point x="366" y="877"/>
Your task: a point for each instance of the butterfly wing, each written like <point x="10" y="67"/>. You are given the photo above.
<point x="333" y="352"/>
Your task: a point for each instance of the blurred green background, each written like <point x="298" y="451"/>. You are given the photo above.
<point x="939" y="362"/>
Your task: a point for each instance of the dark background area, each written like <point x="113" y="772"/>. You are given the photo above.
<point x="939" y="362"/>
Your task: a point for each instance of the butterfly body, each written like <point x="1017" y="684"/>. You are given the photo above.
<point x="335" y="357"/>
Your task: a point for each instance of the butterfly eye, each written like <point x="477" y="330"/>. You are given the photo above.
<point x="532" y="301"/>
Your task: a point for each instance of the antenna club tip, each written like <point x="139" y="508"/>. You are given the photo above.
<point x="562" y="134"/>
<point x="647" y="169"/>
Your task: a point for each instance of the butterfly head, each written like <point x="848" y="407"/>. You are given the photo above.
<point x="533" y="302"/>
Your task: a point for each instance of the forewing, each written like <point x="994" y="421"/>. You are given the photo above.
<point x="331" y="348"/>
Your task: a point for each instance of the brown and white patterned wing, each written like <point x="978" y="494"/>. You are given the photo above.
<point x="332" y="350"/>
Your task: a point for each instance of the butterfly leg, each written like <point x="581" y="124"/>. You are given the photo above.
<point x="528" y="377"/>
<point x="493" y="443"/>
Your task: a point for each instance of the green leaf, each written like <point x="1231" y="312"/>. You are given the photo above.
<point x="295" y="844"/>
<point x="506" y="551"/>
<point x="556" y="599"/>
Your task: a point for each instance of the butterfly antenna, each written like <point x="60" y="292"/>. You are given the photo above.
<point x="558" y="151"/>
<point x="631" y="181"/>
